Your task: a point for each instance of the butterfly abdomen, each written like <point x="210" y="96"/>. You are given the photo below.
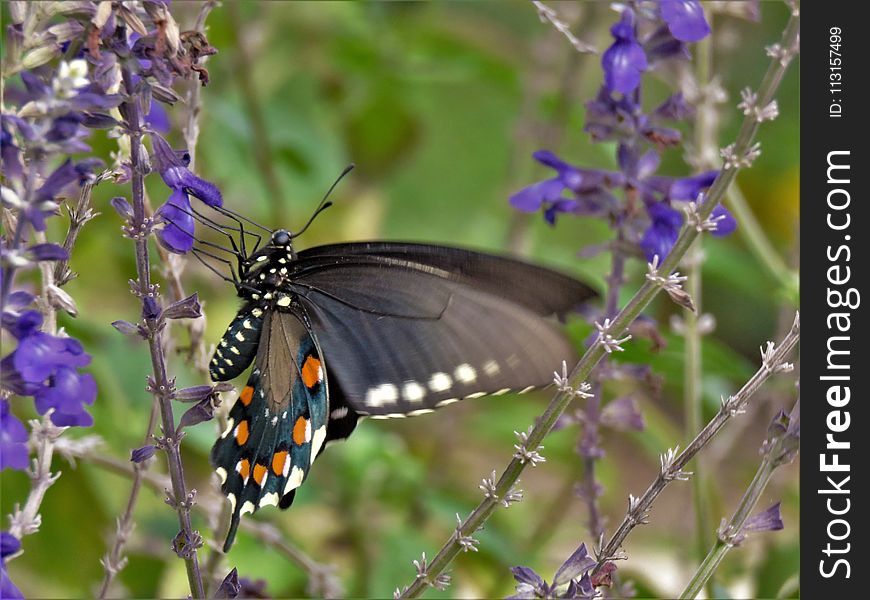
<point x="237" y="348"/>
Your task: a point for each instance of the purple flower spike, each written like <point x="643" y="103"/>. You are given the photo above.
<point x="13" y="440"/>
<point x="624" y="61"/>
<point x="685" y="19"/>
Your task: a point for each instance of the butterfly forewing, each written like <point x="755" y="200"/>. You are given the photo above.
<point x="278" y="424"/>
<point x="542" y="290"/>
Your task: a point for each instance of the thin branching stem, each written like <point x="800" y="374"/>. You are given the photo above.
<point x="162" y="387"/>
<point x="617" y="327"/>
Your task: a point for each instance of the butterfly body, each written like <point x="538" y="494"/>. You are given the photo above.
<point x="380" y="329"/>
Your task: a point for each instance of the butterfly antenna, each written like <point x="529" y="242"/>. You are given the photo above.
<point x="323" y="203"/>
<point x="229" y="213"/>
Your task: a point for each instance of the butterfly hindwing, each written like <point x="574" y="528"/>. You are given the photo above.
<point x="437" y="340"/>
<point x="278" y="423"/>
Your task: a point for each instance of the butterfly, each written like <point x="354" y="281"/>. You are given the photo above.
<point x="371" y="329"/>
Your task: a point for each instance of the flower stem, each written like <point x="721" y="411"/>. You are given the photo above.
<point x="162" y="386"/>
<point x="618" y="327"/>
<point x="734" y="525"/>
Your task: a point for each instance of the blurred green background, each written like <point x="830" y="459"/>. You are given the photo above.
<point x="440" y="105"/>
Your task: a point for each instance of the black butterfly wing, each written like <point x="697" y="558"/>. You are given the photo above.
<point x="542" y="290"/>
<point x="278" y="424"/>
<point x="404" y="337"/>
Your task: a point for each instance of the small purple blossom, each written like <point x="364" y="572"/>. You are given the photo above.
<point x="178" y="233"/>
<point x="46" y="367"/>
<point x="9" y="545"/>
<point x="624" y="61"/>
<point x="685" y="19"/>
<point x="139" y="455"/>
<point x="588" y="186"/>
<point x="13" y="440"/>
<point x="623" y="414"/>
<point x="767" y="520"/>
<point x="661" y="235"/>
<point x="572" y="580"/>
<point x="230" y="586"/>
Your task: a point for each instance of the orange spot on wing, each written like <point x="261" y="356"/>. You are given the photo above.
<point x="311" y="372"/>
<point x="242" y="433"/>
<point x="299" y="431"/>
<point x="244" y="468"/>
<point x="259" y="473"/>
<point x="278" y="460"/>
<point x="247" y="395"/>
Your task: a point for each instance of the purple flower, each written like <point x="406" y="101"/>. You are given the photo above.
<point x="9" y="152"/>
<point x="663" y="231"/>
<point x="46" y="367"/>
<point x="9" y="545"/>
<point x="685" y="19"/>
<point x="67" y="393"/>
<point x="586" y="185"/>
<point x="13" y="440"/>
<point x="767" y="520"/>
<point x="623" y="414"/>
<point x="689" y="188"/>
<point x="609" y="118"/>
<point x="576" y="566"/>
<point x="230" y="586"/>
<point x="177" y="235"/>
<point x="624" y="61"/>
<point x="138" y="455"/>
<point x="157" y="118"/>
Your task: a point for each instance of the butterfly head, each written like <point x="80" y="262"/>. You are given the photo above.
<point x="281" y="238"/>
